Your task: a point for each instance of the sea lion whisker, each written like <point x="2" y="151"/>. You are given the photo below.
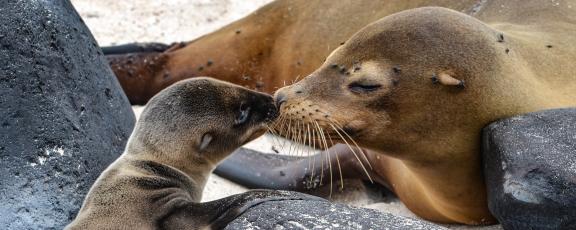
<point x="275" y="139"/>
<point x="313" y="161"/>
<point x="292" y="139"/>
<point x="327" y="158"/>
<point x="313" y="143"/>
<point x="353" y="141"/>
<point x="322" y="140"/>
<point x="306" y="138"/>
<point x="295" y="139"/>
<point x="288" y="134"/>
<point x="299" y="140"/>
<point x="309" y="137"/>
<point x="268" y="129"/>
<point x="283" y="128"/>
<point x="354" y="152"/>
<point x="279" y="121"/>
<point x="339" y="168"/>
<point x="296" y="79"/>
<point x="277" y="126"/>
<point x="271" y="129"/>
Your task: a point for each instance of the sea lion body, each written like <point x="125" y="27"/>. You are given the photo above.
<point x="272" y="47"/>
<point x="433" y="78"/>
<point x="183" y="133"/>
<point x="417" y="87"/>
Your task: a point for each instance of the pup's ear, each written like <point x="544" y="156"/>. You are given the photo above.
<point x="206" y="139"/>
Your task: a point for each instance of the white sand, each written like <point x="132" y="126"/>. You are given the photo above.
<point x="117" y="22"/>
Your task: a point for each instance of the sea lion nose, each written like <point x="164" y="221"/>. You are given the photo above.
<point x="279" y="99"/>
<point x="272" y="110"/>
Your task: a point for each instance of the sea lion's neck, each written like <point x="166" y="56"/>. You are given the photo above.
<point x="197" y="169"/>
<point x="441" y="185"/>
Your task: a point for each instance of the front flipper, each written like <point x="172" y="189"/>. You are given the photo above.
<point x="135" y="48"/>
<point x="257" y="170"/>
<point x="219" y="213"/>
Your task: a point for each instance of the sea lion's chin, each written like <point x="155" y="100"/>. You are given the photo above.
<point x="258" y="131"/>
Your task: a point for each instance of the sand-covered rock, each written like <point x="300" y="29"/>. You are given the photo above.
<point x="63" y="116"/>
<point x="296" y="214"/>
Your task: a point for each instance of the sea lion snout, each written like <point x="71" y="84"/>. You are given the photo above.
<point x="279" y="99"/>
<point x="266" y="108"/>
<point x="287" y="93"/>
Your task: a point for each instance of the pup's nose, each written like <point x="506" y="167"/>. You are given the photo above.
<point x="279" y="99"/>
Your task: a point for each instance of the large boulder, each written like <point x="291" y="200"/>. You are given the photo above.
<point x="63" y="116"/>
<point x="303" y="214"/>
<point x="530" y="169"/>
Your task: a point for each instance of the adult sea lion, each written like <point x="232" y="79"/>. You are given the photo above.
<point x="283" y="41"/>
<point x="415" y="89"/>
<point x="527" y="68"/>
<point x="182" y="134"/>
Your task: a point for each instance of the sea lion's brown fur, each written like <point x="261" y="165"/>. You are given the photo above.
<point x="504" y="58"/>
<point x="182" y="134"/>
<point x="270" y="48"/>
<point x="418" y="86"/>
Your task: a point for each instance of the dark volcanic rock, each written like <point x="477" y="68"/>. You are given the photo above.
<point x="302" y="214"/>
<point x="63" y="116"/>
<point x="530" y="167"/>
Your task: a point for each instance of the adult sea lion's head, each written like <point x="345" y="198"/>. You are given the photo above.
<point x="396" y="80"/>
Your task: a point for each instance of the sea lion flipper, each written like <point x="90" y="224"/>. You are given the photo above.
<point x="136" y="47"/>
<point x="219" y="213"/>
<point x="231" y="207"/>
<point x="264" y="171"/>
<point x="267" y="171"/>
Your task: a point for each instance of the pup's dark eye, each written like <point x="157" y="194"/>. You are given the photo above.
<point x="362" y="87"/>
<point x="243" y="114"/>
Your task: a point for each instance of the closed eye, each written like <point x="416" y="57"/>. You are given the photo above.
<point x="358" y="87"/>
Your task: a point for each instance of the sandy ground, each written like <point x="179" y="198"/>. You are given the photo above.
<point x="117" y="22"/>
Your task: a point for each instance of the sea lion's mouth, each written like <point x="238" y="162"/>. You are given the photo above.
<point x="257" y="133"/>
<point x="352" y="132"/>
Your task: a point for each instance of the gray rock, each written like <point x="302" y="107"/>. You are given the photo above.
<point x="530" y="169"/>
<point x="297" y="214"/>
<point x="63" y="116"/>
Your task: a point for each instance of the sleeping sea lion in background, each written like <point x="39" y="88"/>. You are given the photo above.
<point x="182" y="134"/>
<point x="282" y="41"/>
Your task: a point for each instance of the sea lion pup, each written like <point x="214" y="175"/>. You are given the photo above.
<point x="182" y="134"/>
<point x="416" y="88"/>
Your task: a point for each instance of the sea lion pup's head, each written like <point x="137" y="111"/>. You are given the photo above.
<point x="199" y="122"/>
<point x="397" y="79"/>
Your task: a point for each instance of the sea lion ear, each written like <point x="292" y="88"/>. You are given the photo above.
<point x="206" y="139"/>
<point x="447" y="79"/>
